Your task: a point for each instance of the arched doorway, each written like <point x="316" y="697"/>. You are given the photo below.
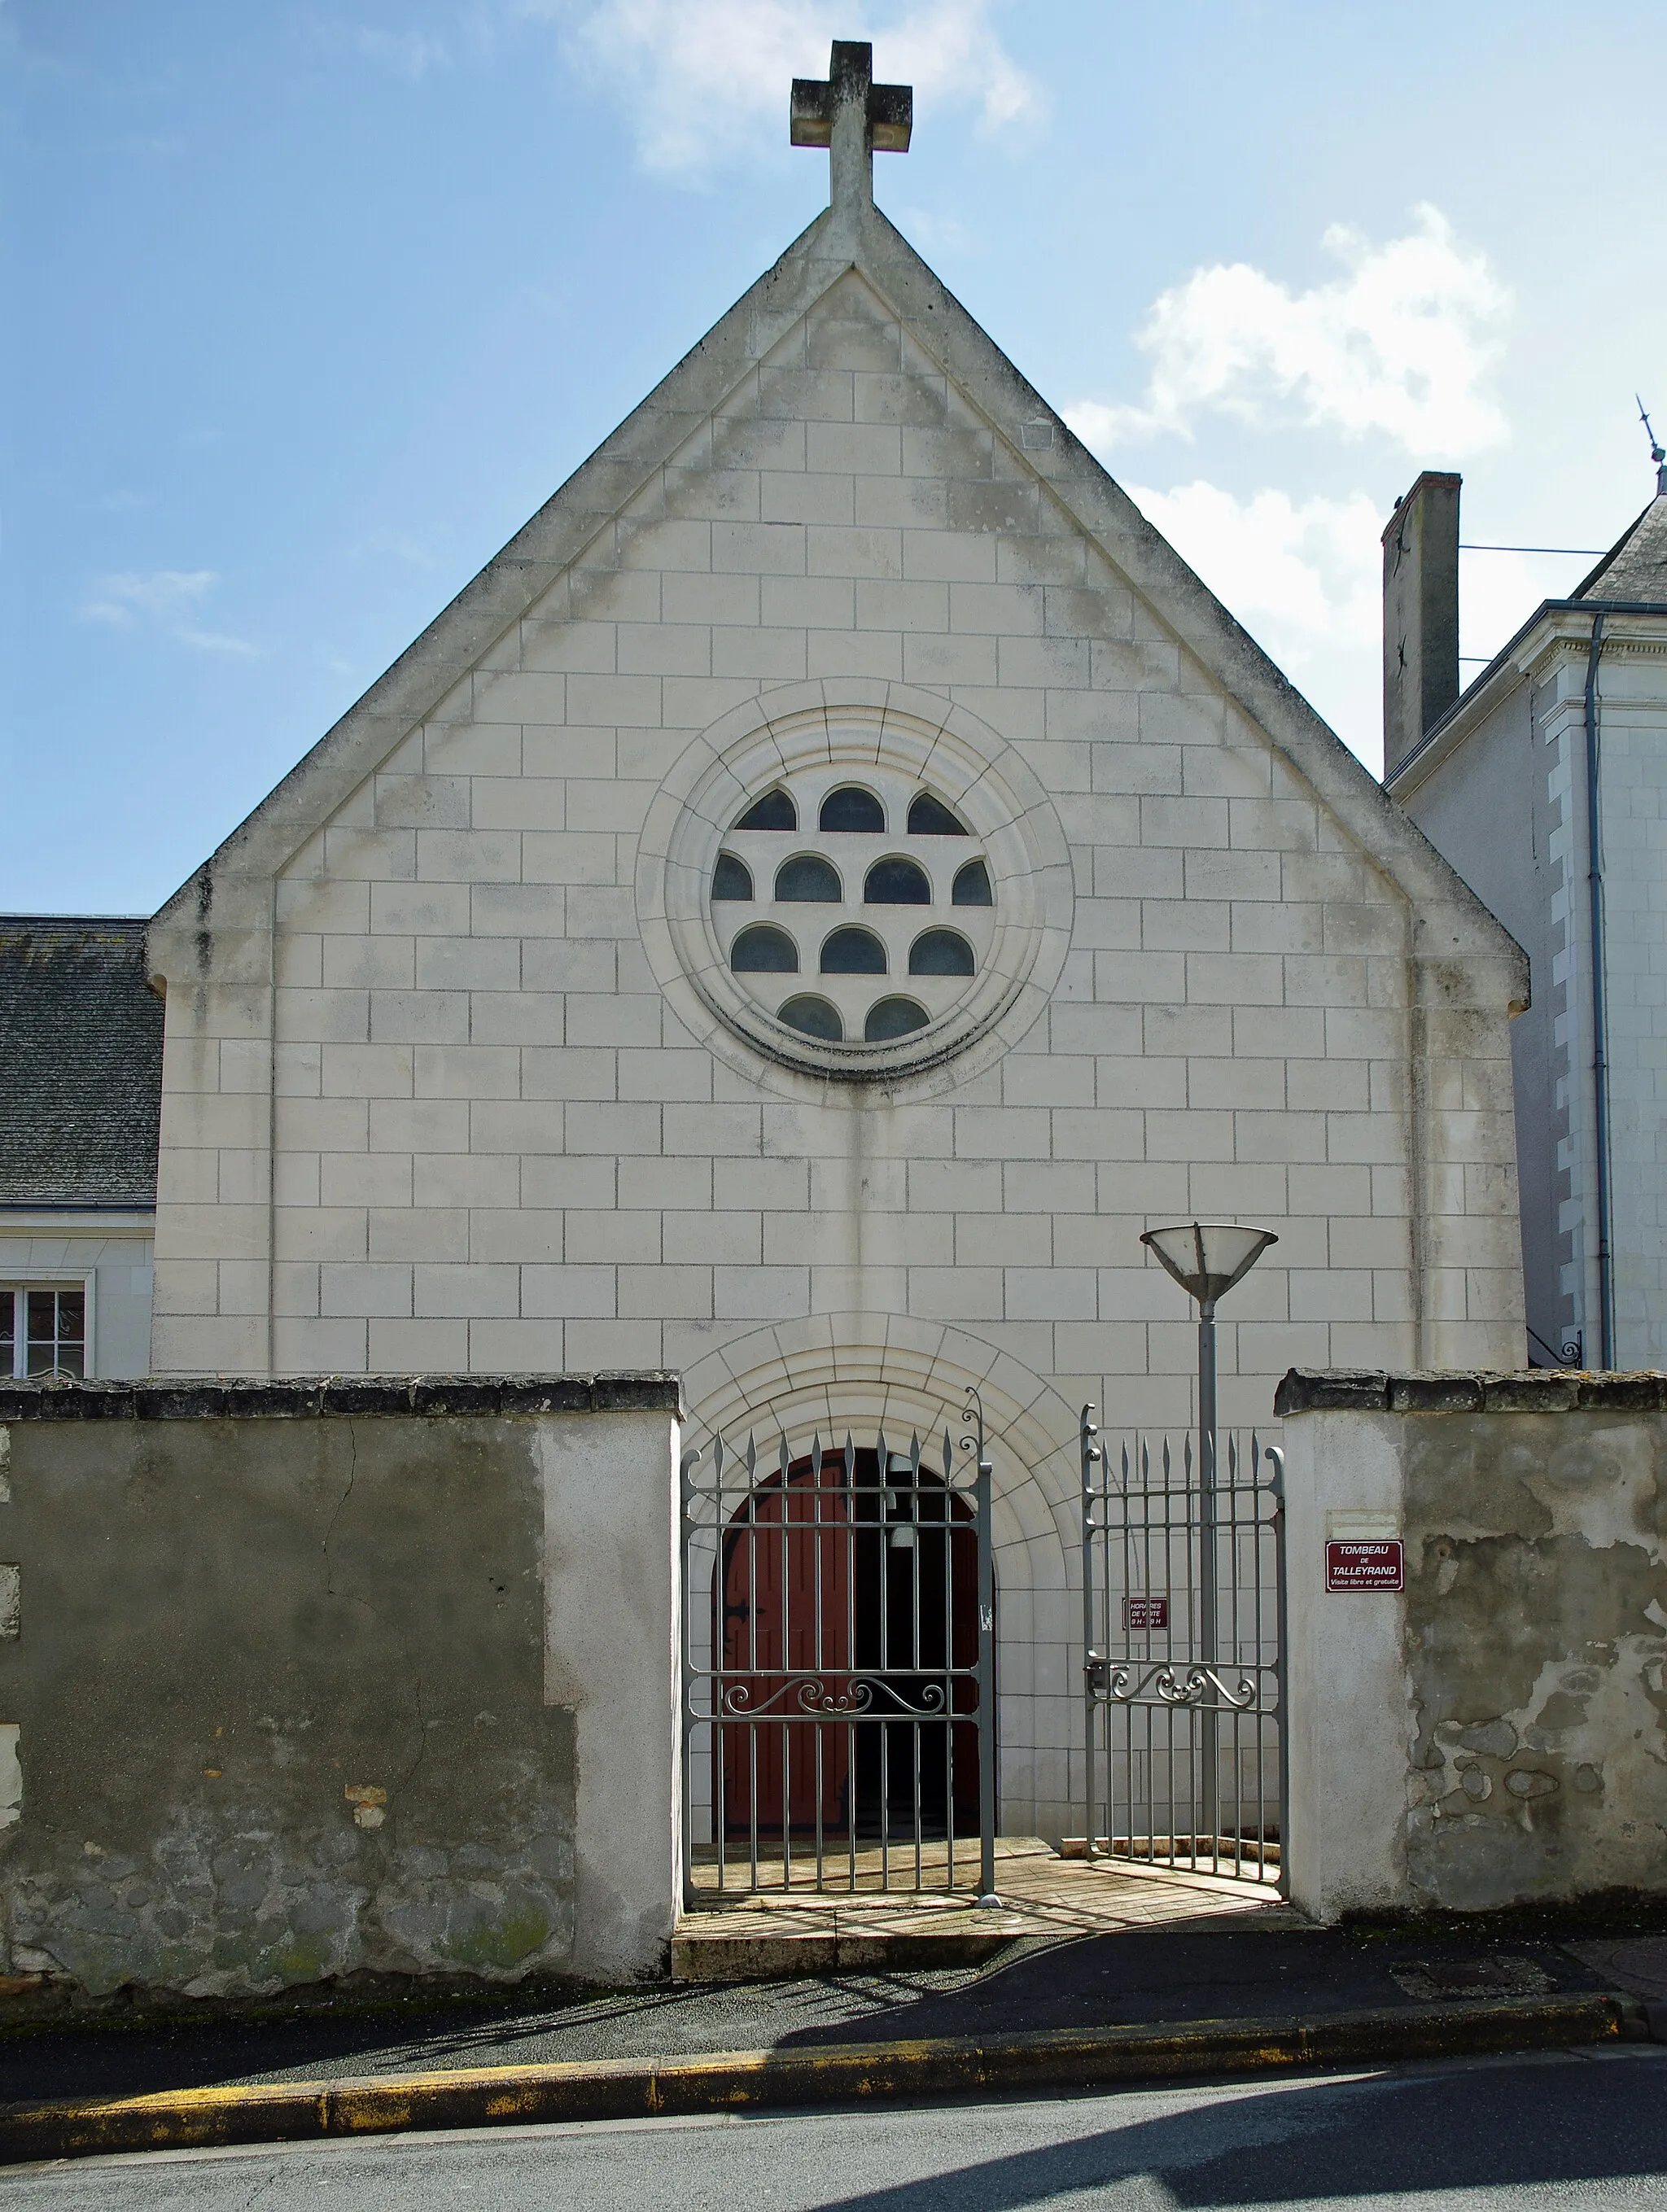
<point x="845" y="1604"/>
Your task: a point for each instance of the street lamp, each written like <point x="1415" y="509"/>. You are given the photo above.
<point x="1206" y="1258"/>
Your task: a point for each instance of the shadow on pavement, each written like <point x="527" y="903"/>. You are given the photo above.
<point x="1513" y="2128"/>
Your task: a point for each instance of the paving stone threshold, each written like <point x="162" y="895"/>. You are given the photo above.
<point x="951" y="2067"/>
<point x="777" y="1935"/>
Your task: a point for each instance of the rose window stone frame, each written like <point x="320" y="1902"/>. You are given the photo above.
<point x="795" y="749"/>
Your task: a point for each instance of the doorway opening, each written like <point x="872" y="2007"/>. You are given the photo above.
<point x="846" y="1627"/>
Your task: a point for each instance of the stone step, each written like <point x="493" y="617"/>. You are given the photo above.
<point x="774" y="1946"/>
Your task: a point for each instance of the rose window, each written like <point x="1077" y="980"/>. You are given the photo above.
<point x="854" y="910"/>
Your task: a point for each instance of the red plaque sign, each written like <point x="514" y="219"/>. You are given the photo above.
<point x="1145" y="1613"/>
<point x="1355" y="1564"/>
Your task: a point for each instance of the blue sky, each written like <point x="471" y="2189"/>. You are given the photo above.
<point x="309" y="306"/>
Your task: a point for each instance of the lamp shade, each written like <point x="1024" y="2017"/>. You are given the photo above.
<point x="1206" y="1258"/>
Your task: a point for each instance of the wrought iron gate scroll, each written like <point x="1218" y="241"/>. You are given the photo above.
<point x="1183" y="1635"/>
<point x="839" y="1667"/>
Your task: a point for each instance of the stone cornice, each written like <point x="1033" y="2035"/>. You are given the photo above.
<point x="1557" y="629"/>
<point x="218" y="1397"/>
<point x="1531" y="1390"/>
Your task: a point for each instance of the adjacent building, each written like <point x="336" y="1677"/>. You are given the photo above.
<point x="1545" y="785"/>
<point x="81" y="1067"/>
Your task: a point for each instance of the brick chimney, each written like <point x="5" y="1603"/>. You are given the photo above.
<point x="1420" y="613"/>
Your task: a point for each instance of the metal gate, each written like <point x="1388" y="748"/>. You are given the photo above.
<point x="1183" y="1630"/>
<point x="838" y="1667"/>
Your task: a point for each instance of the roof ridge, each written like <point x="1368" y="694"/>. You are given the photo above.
<point x="1657" y="508"/>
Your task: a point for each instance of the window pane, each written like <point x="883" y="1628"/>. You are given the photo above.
<point x="811" y="880"/>
<point x="775" y="810"/>
<point x="930" y="818"/>
<point x="731" y="878"/>
<point x="853" y="810"/>
<point x="896" y="883"/>
<point x="813" y="1017"/>
<point x="57" y="1332"/>
<point x="764" y="950"/>
<point x="971" y="885"/>
<point x="893" y="1018"/>
<point x="853" y="952"/>
<point x="941" y="952"/>
<point x="7" y="1332"/>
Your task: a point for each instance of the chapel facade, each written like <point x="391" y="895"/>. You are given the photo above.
<point x="832" y="881"/>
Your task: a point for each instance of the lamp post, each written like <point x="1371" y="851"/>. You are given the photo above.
<point x="1206" y="1258"/>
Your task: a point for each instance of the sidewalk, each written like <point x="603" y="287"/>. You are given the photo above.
<point x="1211" y="1997"/>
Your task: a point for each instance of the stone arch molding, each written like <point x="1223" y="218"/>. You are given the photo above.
<point x="860" y="1372"/>
<point x="845" y="728"/>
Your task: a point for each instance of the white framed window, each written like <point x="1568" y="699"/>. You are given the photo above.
<point x="45" y="1328"/>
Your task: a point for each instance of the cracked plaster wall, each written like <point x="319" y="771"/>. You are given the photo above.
<point x="1497" y="1732"/>
<point x="281" y="1701"/>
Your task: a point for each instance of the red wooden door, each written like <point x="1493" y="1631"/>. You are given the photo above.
<point x="787" y="1652"/>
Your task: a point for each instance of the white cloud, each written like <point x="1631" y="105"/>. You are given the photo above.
<point x="164" y="601"/>
<point x="704" y="77"/>
<point x="1305" y="579"/>
<point x="1403" y="343"/>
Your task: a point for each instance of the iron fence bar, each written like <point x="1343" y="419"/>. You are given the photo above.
<point x="685" y="1808"/>
<point x="1276" y="1456"/>
<point x="1090" y="1452"/>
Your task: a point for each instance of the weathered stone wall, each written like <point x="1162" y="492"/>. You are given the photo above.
<point x="1497" y="1731"/>
<point x="307" y="1678"/>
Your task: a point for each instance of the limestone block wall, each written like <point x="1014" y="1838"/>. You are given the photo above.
<point x="458" y="1125"/>
<point x="436" y="1097"/>
<point x="1492" y="1733"/>
<point x="306" y="1680"/>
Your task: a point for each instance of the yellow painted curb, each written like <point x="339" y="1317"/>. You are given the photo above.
<point x="630" y="2089"/>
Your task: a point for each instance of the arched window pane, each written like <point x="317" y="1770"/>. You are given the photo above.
<point x="731" y="878"/>
<point x="849" y="808"/>
<point x="941" y="952"/>
<point x="930" y="818"/>
<point x="810" y="879"/>
<point x="853" y="952"/>
<point x="814" y="1017"/>
<point x="764" y="950"/>
<point x="892" y="1018"/>
<point x="775" y="810"/>
<point x="971" y="885"/>
<point x="896" y="883"/>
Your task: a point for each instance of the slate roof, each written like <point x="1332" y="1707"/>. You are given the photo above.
<point x="1634" y="569"/>
<point x="80" y="1063"/>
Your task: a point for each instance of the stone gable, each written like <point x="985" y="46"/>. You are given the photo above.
<point x="455" y="1080"/>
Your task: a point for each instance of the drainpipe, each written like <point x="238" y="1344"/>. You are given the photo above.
<point x="1600" y="1063"/>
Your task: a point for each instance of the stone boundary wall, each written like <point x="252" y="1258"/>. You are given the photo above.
<point x="1494" y="1731"/>
<point x="300" y="1680"/>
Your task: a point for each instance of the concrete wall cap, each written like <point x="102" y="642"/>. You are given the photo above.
<point x="1531" y="1390"/>
<point x="1332" y="1389"/>
<point x="216" y="1398"/>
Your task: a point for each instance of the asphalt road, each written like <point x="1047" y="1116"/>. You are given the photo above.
<point x="1569" y="2129"/>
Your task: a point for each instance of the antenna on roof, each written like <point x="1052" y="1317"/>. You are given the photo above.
<point x="1656" y="453"/>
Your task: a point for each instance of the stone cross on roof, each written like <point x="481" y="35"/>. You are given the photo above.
<point x="854" y="117"/>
